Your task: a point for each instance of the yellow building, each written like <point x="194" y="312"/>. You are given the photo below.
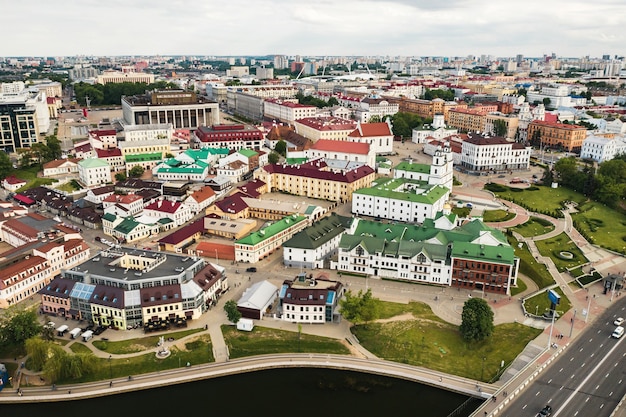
<point x="511" y="122"/>
<point x="467" y="120"/>
<point x="314" y="179"/>
<point x="555" y="135"/>
<point x="426" y="108"/>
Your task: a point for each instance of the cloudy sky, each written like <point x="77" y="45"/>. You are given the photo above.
<point x="533" y="28"/>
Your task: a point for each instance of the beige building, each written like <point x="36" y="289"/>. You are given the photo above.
<point x="314" y="179"/>
<point x="466" y="120"/>
<point x="554" y="135"/>
<point x="124" y="77"/>
<point x="316" y="128"/>
<point x="511" y="122"/>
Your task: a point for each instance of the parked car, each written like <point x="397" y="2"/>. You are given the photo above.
<point x="251" y="269"/>
<point x="618" y="321"/>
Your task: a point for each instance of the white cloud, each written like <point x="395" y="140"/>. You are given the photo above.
<point x="321" y="27"/>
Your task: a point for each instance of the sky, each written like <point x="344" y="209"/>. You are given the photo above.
<point x="501" y="28"/>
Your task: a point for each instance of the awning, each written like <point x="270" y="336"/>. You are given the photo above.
<point x="24" y="199"/>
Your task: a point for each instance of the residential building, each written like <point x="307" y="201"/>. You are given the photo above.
<point x="12" y="183"/>
<point x="426" y="108"/>
<point x="510" y="122"/>
<point x="375" y="106"/>
<point x="262" y="243"/>
<point x="99" y="194"/>
<point x="315" y="180"/>
<point x="63" y="167"/>
<point x="145" y="160"/>
<point x="316" y="128"/>
<point x="127" y="229"/>
<point x="127" y="288"/>
<point x="603" y="147"/>
<point x="310" y="300"/>
<point x="483" y="153"/>
<point x="312" y="247"/>
<point x="467" y="120"/>
<point x="568" y="137"/>
<point x="347" y="151"/>
<point x="103" y="138"/>
<point x="183" y="109"/>
<point x="378" y="135"/>
<point x="230" y="136"/>
<point x="200" y="199"/>
<point x="287" y="110"/>
<point x="23" y="277"/>
<point x="113" y="157"/>
<point x="178" y="212"/>
<point x="93" y="172"/>
<point x="131" y="203"/>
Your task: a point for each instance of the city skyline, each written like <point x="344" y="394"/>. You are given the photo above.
<point x="349" y="28"/>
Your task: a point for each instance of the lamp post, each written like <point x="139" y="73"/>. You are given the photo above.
<point x="572" y="327"/>
<point x="110" y="368"/>
<point x="588" y="310"/>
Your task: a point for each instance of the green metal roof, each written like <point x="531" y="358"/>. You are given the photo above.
<point x="406" y="190"/>
<point x="198" y="153"/>
<point x="93" y="163"/>
<point x="269" y="231"/>
<point x="144" y="157"/>
<point x="413" y="167"/>
<point x="127" y="225"/>
<point x="248" y="153"/>
<point x="319" y="232"/>
<point x="109" y="217"/>
<point x="296" y="161"/>
<point x="478" y="252"/>
<point x="217" y="151"/>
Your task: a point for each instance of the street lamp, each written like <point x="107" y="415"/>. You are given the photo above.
<point x="110" y="369"/>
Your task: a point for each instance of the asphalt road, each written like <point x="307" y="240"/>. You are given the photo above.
<point x="587" y="380"/>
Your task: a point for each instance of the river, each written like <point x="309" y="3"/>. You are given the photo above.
<point x="299" y="392"/>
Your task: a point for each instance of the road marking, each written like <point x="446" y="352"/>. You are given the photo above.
<point x="584" y="381"/>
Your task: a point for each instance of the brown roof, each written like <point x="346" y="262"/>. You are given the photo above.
<point x="371" y="129"/>
<point x="203" y="194"/>
<point x="21" y="266"/>
<point x="58" y="162"/>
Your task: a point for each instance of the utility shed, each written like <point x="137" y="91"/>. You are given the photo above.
<point x="257" y="299"/>
<point x="245" y="324"/>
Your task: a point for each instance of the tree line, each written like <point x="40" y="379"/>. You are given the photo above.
<point x="111" y="93"/>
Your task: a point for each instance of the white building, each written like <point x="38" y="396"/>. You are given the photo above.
<point x="437" y="130"/>
<point x="482" y="153"/>
<point x="112" y="76"/>
<point x="415" y="193"/>
<point x="378" y="135"/>
<point x="602" y="147"/>
<point x="287" y="110"/>
<point x="345" y="151"/>
<point x="60" y="167"/>
<point x="178" y="212"/>
<point x="103" y="139"/>
<point x="375" y="106"/>
<point x="93" y="172"/>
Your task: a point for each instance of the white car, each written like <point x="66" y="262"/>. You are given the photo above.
<point x="618" y="321"/>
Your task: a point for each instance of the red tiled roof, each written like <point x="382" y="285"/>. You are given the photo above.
<point x="23" y="265"/>
<point x="203" y="194"/>
<point x="232" y="204"/>
<point x="165" y="206"/>
<point x="122" y="199"/>
<point x="371" y="129"/>
<point x="341" y="146"/>
<point x="58" y="162"/>
<point x="486" y="140"/>
<point x="48" y="247"/>
<point x="14" y="180"/>
<point x="184" y="232"/>
<point x="108" y="153"/>
<point x="18" y="226"/>
<point x="83" y="148"/>
<point x="310" y="170"/>
<point x="327" y="123"/>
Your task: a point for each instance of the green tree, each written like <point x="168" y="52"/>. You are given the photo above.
<point x="446" y="95"/>
<point x="522" y="92"/>
<point x="546" y="102"/>
<point x="500" y="128"/>
<point x="273" y="157"/>
<point x="231" y="311"/>
<point x="359" y="308"/>
<point x="5" y="165"/>
<point x="281" y="148"/>
<point x="120" y="176"/>
<point x="476" y="320"/>
<point x="19" y="324"/>
<point x="136" y="171"/>
<point x="375" y="119"/>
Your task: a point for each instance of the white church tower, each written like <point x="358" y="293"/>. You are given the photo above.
<point x="441" y="169"/>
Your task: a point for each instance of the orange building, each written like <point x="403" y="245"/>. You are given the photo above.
<point x="554" y="135"/>
<point x="425" y="108"/>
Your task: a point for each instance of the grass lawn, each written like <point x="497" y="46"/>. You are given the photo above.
<point x="521" y="287"/>
<point x="602" y="226"/>
<point x="198" y="350"/>
<point x="67" y="187"/>
<point x="497" y="216"/>
<point x="540" y="303"/>
<point x="562" y="243"/>
<point x="541" y="198"/>
<point x="438" y="345"/>
<point x="138" y="345"/>
<point x="262" y="341"/>
<point x="535" y="226"/>
<point x="387" y="310"/>
<point x="530" y="267"/>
